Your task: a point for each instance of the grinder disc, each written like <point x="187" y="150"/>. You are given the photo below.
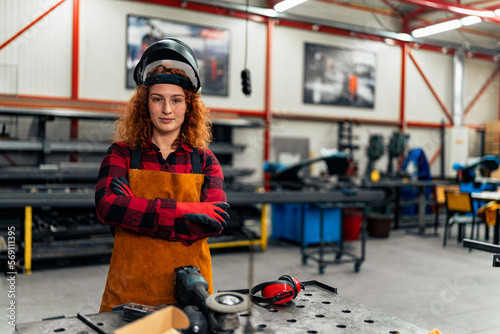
<point x="228" y="302"/>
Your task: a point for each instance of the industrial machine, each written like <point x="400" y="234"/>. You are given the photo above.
<point x="294" y="178"/>
<point x="374" y="151"/>
<point x="396" y="148"/>
<point x="478" y="167"/>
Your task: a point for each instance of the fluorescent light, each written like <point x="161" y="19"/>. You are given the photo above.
<point x="287" y="4"/>
<point x="466" y="11"/>
<point x="436" y="28"/>
<point x="404" y="37"/>
<point x="470" y="20"/>
<point x="269" y="12"/>
<point x="445" y="26"/>
<point x="497" y="12"/>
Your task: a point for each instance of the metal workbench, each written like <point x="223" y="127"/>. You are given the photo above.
<point x="317" y="309"/>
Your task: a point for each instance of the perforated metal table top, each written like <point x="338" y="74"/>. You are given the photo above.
<point x="318" y="309"/>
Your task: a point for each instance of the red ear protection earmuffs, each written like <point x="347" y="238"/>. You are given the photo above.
<point x="281" y="291"/>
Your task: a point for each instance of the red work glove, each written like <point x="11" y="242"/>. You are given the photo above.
<point x="213" y="214"/>
<point x="120" y="186"/>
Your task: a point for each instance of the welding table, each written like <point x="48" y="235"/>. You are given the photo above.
<point x="421" y="185"/>
<point x="317" y="309"/>
<point x="319" y="253"/>
<point x="322" y="200"/>
<point x="491" y="196"/>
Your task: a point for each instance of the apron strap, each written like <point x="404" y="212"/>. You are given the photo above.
<point x="195" y="161"/>
<point x="135" y="159"/>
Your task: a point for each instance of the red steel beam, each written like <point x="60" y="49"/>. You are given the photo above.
<point x="239" y="112"/>
<point x="393" y="8"/>
<point x="7" y="42"/>
<point x="435" y="156"/>
<point x="268" y="105"/>
<point x="75" y="50"/>
<point x="482" y="90"/>
<point x="433" y="91"/>
<point x="485" y="14"/>
<point x="427" y="125"/>
<point x="207" y="9"/>
<point x="402" y="98"/>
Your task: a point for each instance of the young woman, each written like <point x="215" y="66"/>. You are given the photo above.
<point x="159" y="186"/>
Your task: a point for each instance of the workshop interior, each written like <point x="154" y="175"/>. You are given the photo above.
<point x="359" y="142"/>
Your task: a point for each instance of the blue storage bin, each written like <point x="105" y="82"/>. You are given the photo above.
<point x="286" y="223"/>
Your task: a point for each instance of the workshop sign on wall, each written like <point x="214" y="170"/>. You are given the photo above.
<point x="338" y="76"/>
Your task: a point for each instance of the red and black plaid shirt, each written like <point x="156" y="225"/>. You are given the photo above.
<point x="155" y="217"/>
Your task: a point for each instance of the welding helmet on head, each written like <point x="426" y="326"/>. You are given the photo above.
<point x="280" y="291"/>
<point x="170" y="52"/>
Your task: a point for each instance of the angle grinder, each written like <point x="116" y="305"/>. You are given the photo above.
<point x="220" y="309"/>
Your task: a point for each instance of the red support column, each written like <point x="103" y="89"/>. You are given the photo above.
<point x="76" y="49"/>
<point x="402" y="98"/>
<point x="74" y="72"/>
<point x="268" y="111"/>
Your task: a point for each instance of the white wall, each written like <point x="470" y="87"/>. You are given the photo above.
<point x="288" y="75"/>
<point x="42" y="55"/>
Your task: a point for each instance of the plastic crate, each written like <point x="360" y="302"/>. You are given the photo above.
<point x="286" y="223"/>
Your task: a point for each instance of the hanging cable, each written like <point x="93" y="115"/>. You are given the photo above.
<point x="245" y="74"/>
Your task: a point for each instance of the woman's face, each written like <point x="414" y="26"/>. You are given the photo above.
<point x="167" y="108"/>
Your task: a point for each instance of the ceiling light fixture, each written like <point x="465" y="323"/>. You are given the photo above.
<point x="445" y="26"/>
<point x="287" y="4"/>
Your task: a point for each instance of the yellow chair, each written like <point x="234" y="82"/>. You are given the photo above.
<point x="459" y="211"/>
<point x="440" y="202"/>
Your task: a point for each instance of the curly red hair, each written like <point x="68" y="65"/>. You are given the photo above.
<point x="135" y="128"/>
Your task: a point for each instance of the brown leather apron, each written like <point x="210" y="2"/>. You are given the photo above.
<point x="142" y="267"/>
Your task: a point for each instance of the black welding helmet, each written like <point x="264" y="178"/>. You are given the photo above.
<point x="170" y="52"/>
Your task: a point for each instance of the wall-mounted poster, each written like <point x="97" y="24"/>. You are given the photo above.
<point x="210" y="45"/>
<point x="336" y="76"/>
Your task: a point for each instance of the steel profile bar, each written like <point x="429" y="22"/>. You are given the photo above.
<point x="433" y="91"/>
<point x="482" y="90"/>
<point x="30" y="25"/>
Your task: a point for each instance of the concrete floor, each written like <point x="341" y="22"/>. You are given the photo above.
<point x="407" y="276"/>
